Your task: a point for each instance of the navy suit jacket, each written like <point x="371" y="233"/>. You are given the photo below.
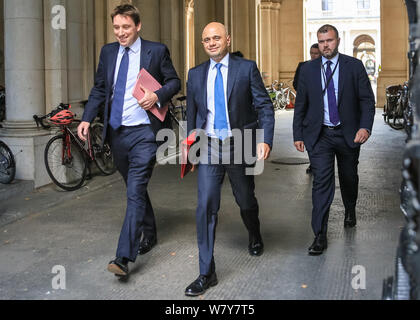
<point x="249" y="105"/>
<point x="155" y="58"/>
<point x="356" y="101"/>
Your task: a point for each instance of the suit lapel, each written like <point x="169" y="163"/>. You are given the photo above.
<point x="113" y="62"/>
<point x="316" y="71"/>
<point x="145" y="55"/>
<point x="203" y="82"/>
<point x="233" y="71"/>
<point x="341" y="79"/>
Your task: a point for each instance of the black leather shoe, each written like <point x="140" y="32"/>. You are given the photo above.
<point x="350" y="219"/>
<point x="119" y="267"/>
<point x="256" y="246"/>
<point x="318" y="246"/>
<point x="147" y="244"/>
<point x="199" y="286"/>
<point x="309" y="170"/>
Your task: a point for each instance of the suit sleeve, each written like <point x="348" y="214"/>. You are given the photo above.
<point x="263" y="105"/>
<point x="300" y="107"/>
<point x="97" y="95"/>
<point x="366" y="99"/>
<point x="171" y="83"/>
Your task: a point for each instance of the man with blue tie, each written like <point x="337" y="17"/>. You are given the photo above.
<point x="129" y="125"/>
<point x="225" y="95"/>
<point x="334" y="113"/>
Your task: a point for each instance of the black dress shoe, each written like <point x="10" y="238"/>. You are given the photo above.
<point x="350" y="219"/>
<point x="119" y="267"/>
<point x="318" y="246"/>
<point x="199" y="286"/>
<point x="309" y="170"/>
<point x="147" y="244"/>
<point x="256" y="247"/>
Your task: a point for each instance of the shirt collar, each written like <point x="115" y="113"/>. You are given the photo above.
<point x="135" y="47"/>
<point x="333" y="60"/>
<point x="224" y="62"/>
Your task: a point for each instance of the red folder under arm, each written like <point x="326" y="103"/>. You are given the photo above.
<point x="146" y="80"/>
<point x="186" y="144"/>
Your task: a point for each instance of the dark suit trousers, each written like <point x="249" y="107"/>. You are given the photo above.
<point x="134" y="150"/>
<point x="210" y="180"/>
<point x="331" y="145"/>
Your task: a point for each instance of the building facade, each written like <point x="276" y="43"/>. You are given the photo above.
<point x="51" y="48"/>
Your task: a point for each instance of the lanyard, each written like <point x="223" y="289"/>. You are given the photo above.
<point x="327" y="83"/>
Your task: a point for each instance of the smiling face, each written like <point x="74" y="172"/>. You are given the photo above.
<point x="216" y="41"/>
<point x="125" y="30"/>
<point x="328" y="44"/>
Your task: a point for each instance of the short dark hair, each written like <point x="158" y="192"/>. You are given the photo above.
<point x="326" y="28"/>
<point x="315" y="46"/>
<point x="238" y="54"/>
<point x="127" y="10"/>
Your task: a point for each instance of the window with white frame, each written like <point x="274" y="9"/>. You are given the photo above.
<point x="327" y="5"/>
<point x="363" y="4"/>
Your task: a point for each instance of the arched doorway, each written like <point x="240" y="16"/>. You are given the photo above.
<point x="365" y="50"/>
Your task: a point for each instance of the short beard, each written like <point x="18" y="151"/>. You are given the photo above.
<point x="333" y="54"/>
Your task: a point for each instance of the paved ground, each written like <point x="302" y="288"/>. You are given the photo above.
<point x="79" y="230"/>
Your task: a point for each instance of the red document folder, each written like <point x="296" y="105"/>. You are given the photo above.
<point x="186" y="165"/>
<point x="146" y="80"/>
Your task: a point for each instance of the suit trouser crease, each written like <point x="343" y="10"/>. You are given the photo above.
<point x="210" y="180"/>
<point x="331" y="145"/>
<point x="134" y="151"/>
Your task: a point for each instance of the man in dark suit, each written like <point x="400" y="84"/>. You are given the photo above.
<point x="130" y="126"/>
<point x="224" y="95"/>
<point x="334" y="113"/>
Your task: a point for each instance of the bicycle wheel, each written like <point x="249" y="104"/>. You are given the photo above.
<point x="397" y="122"/>
<point x="7" y="164"/>
<point x="103" y="155"/>
<point x="65" y="162"/>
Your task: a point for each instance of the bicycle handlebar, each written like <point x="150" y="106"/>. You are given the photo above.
<point x="40" y="120"/>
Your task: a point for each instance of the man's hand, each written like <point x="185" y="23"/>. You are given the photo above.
<point x="362" y="136"/>
<point x="300" y="146"/>
<point x="82" y="130"/>
<point x="149" y="100"/>
<point x="263" y="151"/>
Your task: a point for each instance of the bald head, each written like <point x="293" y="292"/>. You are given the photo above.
<point x="216" y="41"/>
<point x="215" y="25"/>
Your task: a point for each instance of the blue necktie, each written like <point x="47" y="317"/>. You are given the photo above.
<point x="220" y="118"/>
<point x="119" y="92"/>
<point x="332" y="101"/>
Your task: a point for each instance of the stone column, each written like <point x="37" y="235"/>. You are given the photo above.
<point x="171" y="26"/>
<point x="24" y="62"/>
<point x="289" y="44"/>
<point x="268" y="45"/>
<point x="25" y="87"/>
<point x="242" y="27"/>
<point x="394" y="40"/>
<point x="55" y="37"/>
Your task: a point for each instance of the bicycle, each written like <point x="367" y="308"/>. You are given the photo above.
<point x="66" y="157"/>
<point x="286" y="96"/>
<point x="7" y="164"/>
<point x="394" y="107"/>
<point x="2" y="103"/>
<point x="178" y="114"/>
<point x="282" y="97"/>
